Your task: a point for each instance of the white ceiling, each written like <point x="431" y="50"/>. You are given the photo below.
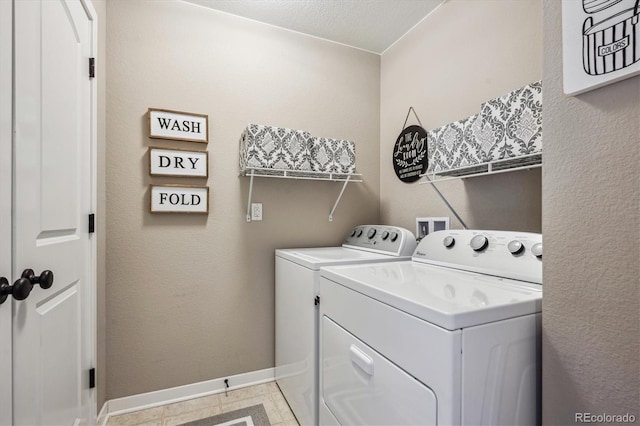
<point x="371" y="25"/>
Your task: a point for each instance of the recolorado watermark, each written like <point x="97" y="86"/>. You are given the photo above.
<point x="604" y="418"/>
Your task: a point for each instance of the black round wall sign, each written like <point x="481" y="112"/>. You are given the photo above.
<point x="410" y="154"/>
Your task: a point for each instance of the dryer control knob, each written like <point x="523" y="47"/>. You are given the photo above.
<point x="359" y="233"/>
<point x="515" y="247"/>
<point x="385" y="235"/>
<point x="371" y="233"/>
<point x="449" y="241"/>
<point x="394" y="237"/>
<point x="353" y="233"/>
<point x="479" y="243"/>
<point x="536" y="249"/>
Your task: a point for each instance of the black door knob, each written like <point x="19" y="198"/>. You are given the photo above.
<point x="20" y="289"/>
<point x="45" y="280"/>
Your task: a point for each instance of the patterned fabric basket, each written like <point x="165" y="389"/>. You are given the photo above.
<point x="509" y="126"/>
<point x="266" y="147"/>
<point x="454" y="146"/>
<point x="515" y="120"/>
<point x="333" y="155"/>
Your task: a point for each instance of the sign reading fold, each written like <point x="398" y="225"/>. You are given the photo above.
<point x="179" y="199"/>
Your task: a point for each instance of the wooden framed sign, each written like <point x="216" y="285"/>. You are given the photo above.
<point x="178" y="125"/>
<point x="178" y="162"/>
<point x="179" y="199"/>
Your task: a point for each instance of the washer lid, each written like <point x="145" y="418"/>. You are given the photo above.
<point x="449" y="298"/>
<point x="315" y="258"/>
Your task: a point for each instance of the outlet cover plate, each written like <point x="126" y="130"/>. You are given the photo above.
<point x="256" y="211"/>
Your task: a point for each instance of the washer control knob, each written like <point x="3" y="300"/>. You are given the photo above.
<point x="449" y="241"/>
<point x="359" y="233"/>
<point x="536" y="249"/>
<point x="353" y="233"/>
<point x="371" y="233"/>
<point x="479" y="243"/>
<point x="394" y="236"/>
<point x="515" y="247"/>
<point x="385" y="235"/>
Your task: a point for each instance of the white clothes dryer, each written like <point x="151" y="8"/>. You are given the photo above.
<point x="297" y="276"/>
<point x="451" y="337"/>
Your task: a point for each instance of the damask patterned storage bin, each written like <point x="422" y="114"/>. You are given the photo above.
<point x="515" y="121"/>
<point x="508" y="128"/>
<point x="454" y="146"/>
<point x="333" y="155"/>
<point x="277" y="148"/>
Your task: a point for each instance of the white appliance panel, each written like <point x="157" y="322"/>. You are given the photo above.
<point x="501" y="370"/>
<point x="450" y="298"/>
<point x="431" y="354"/>
<point x="296" y="327"/>
<point x="362" y="387"/>
<point x="316" y="258"/>
<point x="389" y="240"/>
<point x="326" y="417"/>
<point x="516" y="255"/>
<point x="462" y="318"/>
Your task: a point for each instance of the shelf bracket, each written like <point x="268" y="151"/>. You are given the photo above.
<point x="249" y="200"/>
<point x="444" y="200"/>
<point x="338" y="200"/>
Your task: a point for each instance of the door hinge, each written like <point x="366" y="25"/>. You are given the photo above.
<point x="92" y="378"/>
<point x="317" y="301"/>
<point x="92" y="223"/>
<point x="92" y="67"/>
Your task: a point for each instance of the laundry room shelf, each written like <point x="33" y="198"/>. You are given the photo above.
<point x="525" y="162"/>
<point x="299" y="175"/>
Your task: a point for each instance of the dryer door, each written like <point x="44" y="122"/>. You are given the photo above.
<point x="361" y="387"/>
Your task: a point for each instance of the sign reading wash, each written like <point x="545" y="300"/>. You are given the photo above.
<point x="178" y="162"/>
<point x="177" y="125"/>
<point x="179" y="199"/>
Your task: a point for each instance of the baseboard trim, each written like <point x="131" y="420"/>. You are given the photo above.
<point x="103" y="415"/>
<point x="143" y="401"/>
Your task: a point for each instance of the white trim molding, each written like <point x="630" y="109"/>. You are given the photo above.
<point x="143" y="401"/>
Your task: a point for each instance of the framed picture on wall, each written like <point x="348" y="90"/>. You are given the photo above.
<point x="600" y="43"/>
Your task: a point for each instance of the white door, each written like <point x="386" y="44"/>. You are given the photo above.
<point x="6" y="105"/>
<point x="53" y="193"/>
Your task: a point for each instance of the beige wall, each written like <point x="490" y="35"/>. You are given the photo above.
<point x="191" y="298"/>
<point x="465" y="53"/>
<point x="591" y="215"/>
<point x="101" y="10"/>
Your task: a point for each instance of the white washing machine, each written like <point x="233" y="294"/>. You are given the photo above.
<point x="297" y="276"/>
<point x="451" y="337"/>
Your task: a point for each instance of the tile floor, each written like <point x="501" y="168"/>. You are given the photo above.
<point x="177" y="413"/>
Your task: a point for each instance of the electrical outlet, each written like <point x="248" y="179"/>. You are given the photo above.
<point x="256" y="211"/>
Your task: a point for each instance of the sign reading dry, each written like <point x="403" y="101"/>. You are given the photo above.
<point x="178" y="162"/>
